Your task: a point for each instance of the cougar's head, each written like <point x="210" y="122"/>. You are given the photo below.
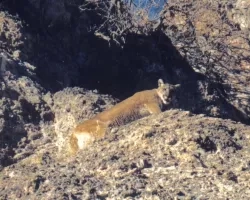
<point x="165" y="91"/>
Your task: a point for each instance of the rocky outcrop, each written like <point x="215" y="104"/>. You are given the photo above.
<point x="195" y="43"/>
<point x="172" y="155"/>
<point x="31" y="118"/>
<point x="71" y="106"/>
<point x="22" y="110"/>
<point x="214" y="39"/>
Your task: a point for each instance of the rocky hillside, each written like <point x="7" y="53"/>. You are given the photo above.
<point x="174" y="155"/>
<point x="213" y="36"/>
<point x="56" y="72"/>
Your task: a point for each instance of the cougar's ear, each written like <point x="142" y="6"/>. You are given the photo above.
<point x="160" y="83"/>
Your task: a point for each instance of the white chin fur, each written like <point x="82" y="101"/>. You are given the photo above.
<point x="161" y="97"/>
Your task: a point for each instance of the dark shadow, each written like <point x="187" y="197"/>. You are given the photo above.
<point x="9" y="139"/>
<point x="6" y="156"/>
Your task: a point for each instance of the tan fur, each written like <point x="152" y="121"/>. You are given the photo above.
<point x="141" y="104"/>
